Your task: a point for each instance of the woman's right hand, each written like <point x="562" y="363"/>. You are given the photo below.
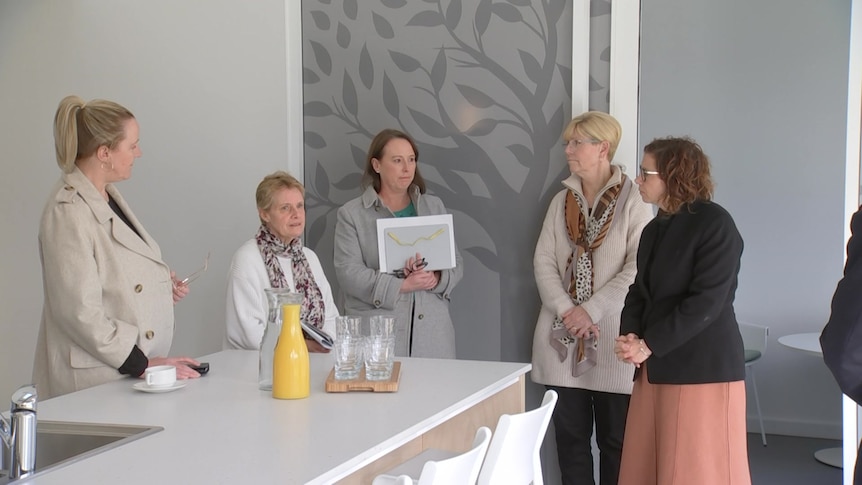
<point x="183" y="370"/>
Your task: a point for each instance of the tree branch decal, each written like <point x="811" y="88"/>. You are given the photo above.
<point x="482" y="86"/>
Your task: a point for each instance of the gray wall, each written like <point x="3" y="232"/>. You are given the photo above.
<point x="762" y="85"/>
<point x="486" y="111"/>
<point x="206" y="80"/>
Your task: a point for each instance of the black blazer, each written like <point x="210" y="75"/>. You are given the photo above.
<point x="681" y="302"/>
<point x="841" y="340"/>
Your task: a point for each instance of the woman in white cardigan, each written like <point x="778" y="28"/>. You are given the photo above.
<point x="276" y="258"/>
<point x="584" y="263"/>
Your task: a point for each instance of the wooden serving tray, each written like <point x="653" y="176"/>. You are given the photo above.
<point x="362" y="384"/>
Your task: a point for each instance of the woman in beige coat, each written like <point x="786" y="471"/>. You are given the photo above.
<point x="108" y="308"/>
<point x="584" y="263"/>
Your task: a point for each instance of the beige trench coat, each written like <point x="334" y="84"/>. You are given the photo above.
<point x="106" y="290"/>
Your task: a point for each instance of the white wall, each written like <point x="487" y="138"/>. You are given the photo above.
<point x="762" y="85"/>
<point x="206" y="80"/>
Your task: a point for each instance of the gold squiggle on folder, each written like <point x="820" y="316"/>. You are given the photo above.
<point x="426" y="238"/>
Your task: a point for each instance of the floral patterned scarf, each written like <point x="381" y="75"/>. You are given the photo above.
<point x="270" y="246"/>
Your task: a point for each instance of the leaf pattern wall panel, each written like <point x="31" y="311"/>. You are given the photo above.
<point x="485" y="89"/>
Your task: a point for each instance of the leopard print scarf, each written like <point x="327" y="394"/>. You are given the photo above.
<point x="586" y="234"/>
<point x="312" y="310"/>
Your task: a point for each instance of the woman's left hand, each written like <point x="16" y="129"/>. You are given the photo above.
<point x="181" y="363"/>
<point x="180" y="289"/>
<point x="579" y="323"/>
<point x="315" y="347"/>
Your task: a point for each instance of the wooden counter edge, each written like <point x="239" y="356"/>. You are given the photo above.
<point x="455" y="434"/>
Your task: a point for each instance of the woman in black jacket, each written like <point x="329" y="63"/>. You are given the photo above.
<point x="686" y="421"/>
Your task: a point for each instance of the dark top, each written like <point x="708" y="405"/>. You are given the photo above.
<point x="136" y="363"/>
<point x="841" y="340"/>
<point x="122" y="215"/>
<point x="681" y="301"/>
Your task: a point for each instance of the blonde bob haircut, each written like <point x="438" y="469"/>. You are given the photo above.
<point x="80" y="128"/>
<point x="271" y="184"/>
<point x="597" y="126"/>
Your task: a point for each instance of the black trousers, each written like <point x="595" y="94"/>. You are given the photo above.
<point x="574" y="415"/>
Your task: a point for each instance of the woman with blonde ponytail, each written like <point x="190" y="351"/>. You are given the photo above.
<point x="108" y="308"/>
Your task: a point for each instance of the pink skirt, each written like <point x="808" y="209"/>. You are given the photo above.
<point x="684" y="434"/>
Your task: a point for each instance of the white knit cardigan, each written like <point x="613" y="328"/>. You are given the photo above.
<point x="614" y="268"/>
<point x="246" y="305"/>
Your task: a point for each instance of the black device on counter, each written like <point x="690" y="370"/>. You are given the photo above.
<point x="201" y="369"/>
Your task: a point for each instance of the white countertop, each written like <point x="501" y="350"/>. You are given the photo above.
<point x="222" y="429"/>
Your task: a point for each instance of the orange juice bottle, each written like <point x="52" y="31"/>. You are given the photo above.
<point x="290" y="368"/>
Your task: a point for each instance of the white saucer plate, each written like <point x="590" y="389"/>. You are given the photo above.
<point x="142" y="386"/>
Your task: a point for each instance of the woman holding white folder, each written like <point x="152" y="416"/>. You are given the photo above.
<point x="393" y="187"/>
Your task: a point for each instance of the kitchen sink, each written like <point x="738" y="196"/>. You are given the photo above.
<point x="59" y="443"/>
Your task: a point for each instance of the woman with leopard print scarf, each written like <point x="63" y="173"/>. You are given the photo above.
<point x="584" y="263"/>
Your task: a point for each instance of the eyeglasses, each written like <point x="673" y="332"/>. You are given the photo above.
<point x="575" y="143"/>
<point x="644" y="172"/>
<point x="188" y="279"/>
<point x="417" y="265"/>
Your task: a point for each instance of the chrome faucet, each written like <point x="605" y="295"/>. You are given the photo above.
<point x="19" y="433"/>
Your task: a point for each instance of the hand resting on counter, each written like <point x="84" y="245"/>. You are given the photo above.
<point x="183" y="370"/>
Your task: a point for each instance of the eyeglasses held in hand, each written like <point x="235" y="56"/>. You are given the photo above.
<point x="417" y="265"/>
<point x="188" y="279"/>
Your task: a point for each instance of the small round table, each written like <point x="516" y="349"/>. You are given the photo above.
<point x="810" y="344"/>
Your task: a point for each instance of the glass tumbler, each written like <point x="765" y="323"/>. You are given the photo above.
<point x="379" y="357"/>
<point x="383" y="325"/>
<point x="348" y="325"/>
<point x="348" y="356"/>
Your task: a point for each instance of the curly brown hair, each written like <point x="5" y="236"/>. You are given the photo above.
<point x="684" y="168"/>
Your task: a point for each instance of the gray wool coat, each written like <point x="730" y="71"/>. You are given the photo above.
<point x="365" y="291"/>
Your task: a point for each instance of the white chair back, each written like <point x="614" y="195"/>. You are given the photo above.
<point x="513" y="456"/>
<point x="460" y="469"/>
